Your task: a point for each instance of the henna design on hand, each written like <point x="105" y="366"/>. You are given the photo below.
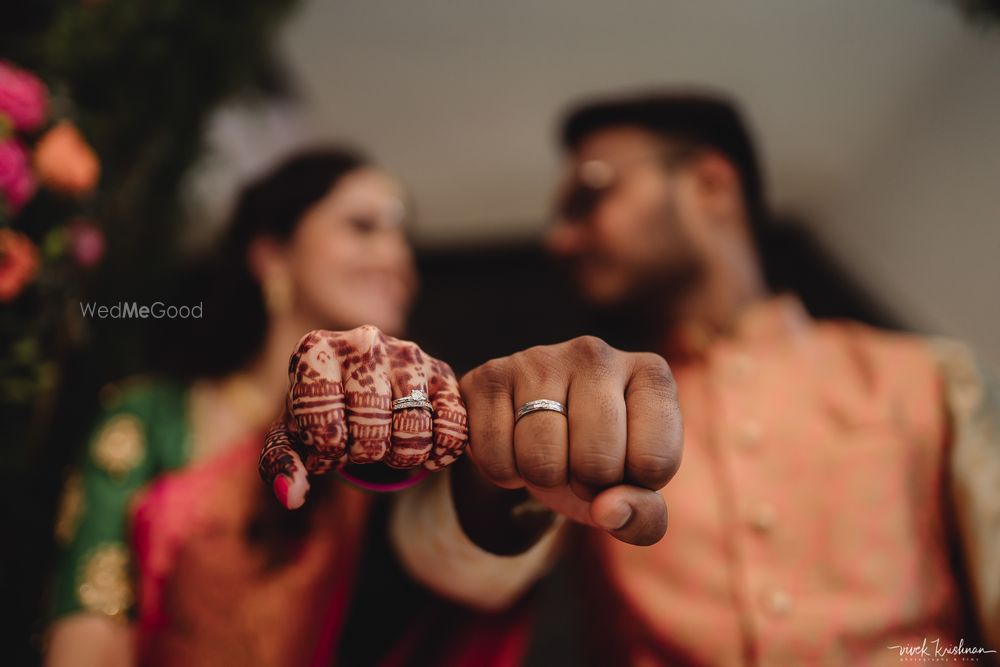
<point x="451" y="423"/>
<point x="339" y="410"/>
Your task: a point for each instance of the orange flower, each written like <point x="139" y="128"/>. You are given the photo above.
<point x="64" y="162"/>
<point x="18" y="263"/>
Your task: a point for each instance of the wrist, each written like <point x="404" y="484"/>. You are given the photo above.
<point x="501" y="521"/>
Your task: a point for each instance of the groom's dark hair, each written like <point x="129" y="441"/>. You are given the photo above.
<point x="692" y="118"/>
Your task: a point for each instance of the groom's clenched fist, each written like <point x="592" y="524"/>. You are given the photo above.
<point x="603" y="461"/>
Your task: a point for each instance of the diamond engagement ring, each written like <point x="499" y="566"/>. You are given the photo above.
<point x="416" y="399"/>
<point x="541" y="404"/>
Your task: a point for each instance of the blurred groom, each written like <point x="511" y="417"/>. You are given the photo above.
<point x="839" y="499"/>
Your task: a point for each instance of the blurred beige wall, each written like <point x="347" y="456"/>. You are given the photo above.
<point x="879" y="121"/>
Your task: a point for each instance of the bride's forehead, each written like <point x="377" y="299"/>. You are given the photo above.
<point x="369" y="187"/>
<point x="373" y="179"/>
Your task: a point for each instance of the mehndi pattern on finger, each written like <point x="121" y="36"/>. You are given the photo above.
<point x="277" y="456"/>
<point x="368" y="397"/>
<point x="317" y="402"/>
<point x="340" y="409"/>
<point x="451" y="423"/>
<point x="412" y="424"/>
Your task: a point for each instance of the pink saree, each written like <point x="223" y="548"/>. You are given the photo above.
<point x="209" y="595"/>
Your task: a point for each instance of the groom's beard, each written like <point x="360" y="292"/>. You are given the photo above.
<point x="641" y="320"/>
<point x="643" y="315"/>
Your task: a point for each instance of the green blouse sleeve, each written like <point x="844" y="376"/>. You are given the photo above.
<point x="132" y="442"/>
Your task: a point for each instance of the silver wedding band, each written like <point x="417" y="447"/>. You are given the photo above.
<point x="416" y="399"/>
<point x="541" y="404"/>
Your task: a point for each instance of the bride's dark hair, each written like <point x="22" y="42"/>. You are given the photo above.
<point x="234" y="318"/>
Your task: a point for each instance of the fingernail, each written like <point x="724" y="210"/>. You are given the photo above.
<point x="281" y="487"/>
<point x="616" y="517"/>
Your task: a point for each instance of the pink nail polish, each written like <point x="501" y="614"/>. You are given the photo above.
<point x="280" y="486"/>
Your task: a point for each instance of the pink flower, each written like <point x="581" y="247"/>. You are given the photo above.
<point x="18" y="263"/>
<point x="23" y="97"/>
<point x="17" y="184"/>
<point x="86" y="242"/>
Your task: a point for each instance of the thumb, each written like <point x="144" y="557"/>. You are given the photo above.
<point x="631" y="514"/>
<point x="281" y="467"/>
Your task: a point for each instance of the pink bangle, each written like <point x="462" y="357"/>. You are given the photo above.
<point x="384" y="487"/>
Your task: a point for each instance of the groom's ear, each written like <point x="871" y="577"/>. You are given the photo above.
<point x="717" y="189"/>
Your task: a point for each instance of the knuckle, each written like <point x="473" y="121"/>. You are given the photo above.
<point x="366" y="336"/>
<point x="652" y="373"/>
<point x="494" y="468"/>
<point x="404" y="344"/>
<point x="446" y="369"/>
<point x="534" y="354"/>
<point x="441" y="374"/>
<point x="310" y="339"/>
<point x="440" y="367"/>
<point x="542" y="471"/>
<point x="591" y="350"/>
<point x="406" y="354"/>
<point x="597" y="469"/>
<point x="492" y="378"/>
<point x="542" y="364"/>
<point x="654" y="469"/>
<point x="535" y="365"/>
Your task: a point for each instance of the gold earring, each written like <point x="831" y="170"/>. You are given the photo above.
<point x="277" y="296"/>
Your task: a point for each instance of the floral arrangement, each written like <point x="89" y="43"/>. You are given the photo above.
<point x="48" y="174"/>
<point x="102" y="119"/>
<point x="103" y="106"/>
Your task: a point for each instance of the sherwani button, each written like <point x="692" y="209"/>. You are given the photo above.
<point x="750" y="434"/>
<point x="777" y="602"/>
<point x="763" y="517"/>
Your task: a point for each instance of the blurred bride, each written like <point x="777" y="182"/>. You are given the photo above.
<point x="170" y="545"/>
